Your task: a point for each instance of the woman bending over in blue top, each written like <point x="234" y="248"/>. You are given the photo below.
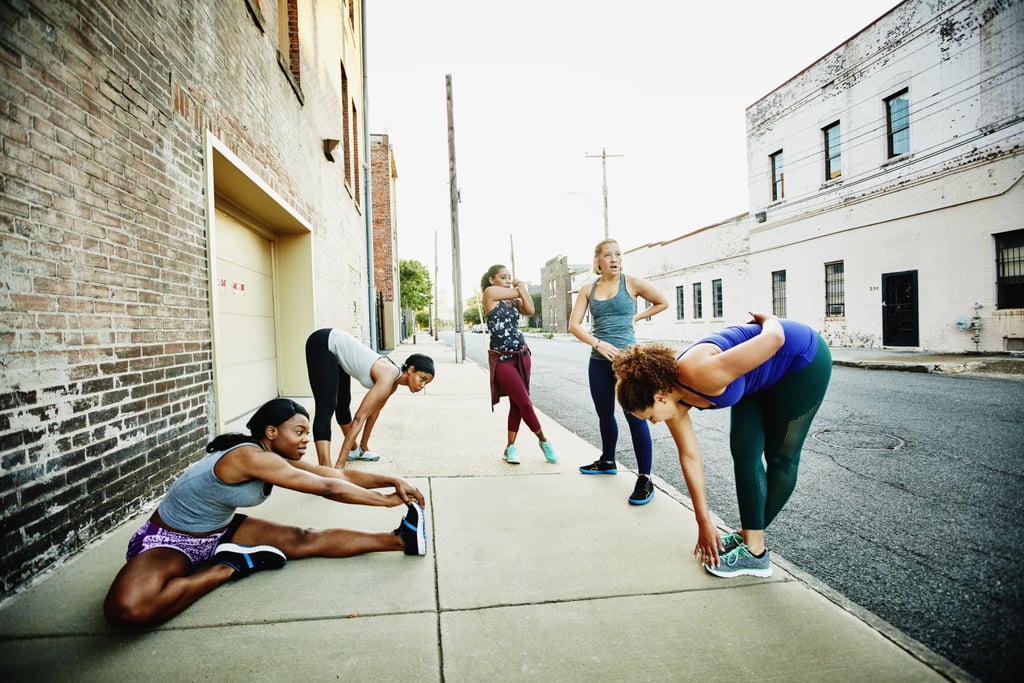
<point x="508" y="358"/>
<point x="773" y="374"/>
<point x="195" y="541"/>
<point x="612" y="302"/>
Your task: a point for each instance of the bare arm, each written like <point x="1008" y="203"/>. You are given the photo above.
<point x="709" y="370"/>
<point x="384" y="376"/>
<point x="364" y="479"/>
<point x="691" y="462"/>
<point x="250" y="462"/>
<point x="651" y="294"/>
<point x="579" y="308"/>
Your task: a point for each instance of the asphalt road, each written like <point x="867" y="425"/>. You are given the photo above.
<point x="909" y="501"/>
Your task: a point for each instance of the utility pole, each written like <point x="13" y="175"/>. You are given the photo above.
<point x="437" y="322"/>
<point x="512" y="254"/>
<point x="453" y="187"/>
<point x="604" y="156"/>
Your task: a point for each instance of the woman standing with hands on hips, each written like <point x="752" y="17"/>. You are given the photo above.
<point x="773" y="374"/>
<point x="504" y="298"/>
<point x="612" y="302"/>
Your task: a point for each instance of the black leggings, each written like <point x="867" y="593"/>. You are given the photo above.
<point x="774" y="422"/>
<point x="331" y="385"/>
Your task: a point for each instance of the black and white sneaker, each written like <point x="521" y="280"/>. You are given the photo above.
<point x="248" y="559"/>
<point x="413" y="531"/>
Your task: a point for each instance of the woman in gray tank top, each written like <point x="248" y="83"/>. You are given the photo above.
<point x="195" y="541"/>
<point x="611" y="299"/>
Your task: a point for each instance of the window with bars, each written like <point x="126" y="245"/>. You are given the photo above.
<point x="778" y="180"/>
<point x="680" y="303"/>
<point x="833" y="152"/>
<point x="779" y="293"/>
<point x="716" y="299"/>
<point x="1010" y="269"/>
<point x="897" y="112"/>
<point x="698" y="306"/>
<point x="835" y="294"/>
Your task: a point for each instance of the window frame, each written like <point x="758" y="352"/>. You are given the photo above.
<point x="680" y="302"/>
<point x="778" y="177"/>
<point x="1009" y="256"/>
<point x="897" y="125"/>
<point x="698" y="302"/>
<point x="835" y="289"/>
<point x="717" y="303"/>
<point x="779" y="293"/>
<point x="833" y="152"/>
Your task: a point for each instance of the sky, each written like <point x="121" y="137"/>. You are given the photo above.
<point x="540" y="89"/>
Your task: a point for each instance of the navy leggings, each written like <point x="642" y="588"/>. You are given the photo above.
<point x="602" y="391"/>
<point x="520" y="408"/>
<point x="774" y="422"/>
<point x="332" y="386"/>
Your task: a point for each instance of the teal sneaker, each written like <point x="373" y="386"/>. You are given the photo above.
<point x="740" y="562"/>
<point x="730" y="542"/>
<point x="511" y="457"/>
<point x="549" y="451"/>
<point x="360" y="454"/>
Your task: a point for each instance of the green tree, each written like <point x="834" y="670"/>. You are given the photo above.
<point x="414" y="280"/>
<point x="471" y="312"/>
<point x="423" y="319"/>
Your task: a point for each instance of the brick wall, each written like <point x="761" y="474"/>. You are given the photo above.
<point x="106" y="388"/>
<point x="384" y="258"/>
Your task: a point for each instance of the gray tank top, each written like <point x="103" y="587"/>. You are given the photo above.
<point x="199" y="502"/>
<point x="613" y="318"/>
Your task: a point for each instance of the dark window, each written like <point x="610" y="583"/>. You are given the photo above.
<point x="680" y="308"/>
<point x="833" y="152"/>
<point x="698" y="306"/>
<point x="778" y="180"/>
<point x="897" y="111"/>
<point x="779" y="293"/>
<point x="356" y="187"/>
<point x="835" y="295"/>
<point x="716" y="298"/>
<point x="1010" y="269"/>
<point x="346" y="127"/>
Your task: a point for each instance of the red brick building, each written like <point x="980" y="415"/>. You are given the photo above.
<point x="181" y="205"/>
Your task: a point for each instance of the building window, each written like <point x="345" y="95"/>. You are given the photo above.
<point x="346" y="127"/>
<point x="778" y="180"/>
<point x="288" y="42"/>
<point x="897" y="112"/>
<point x="835" y="295"/>
<point x="1010" y="269"/>
<point x="716" y="298"/>
<point x="833" y="152"/>
<point x="779" y="293"/>
<point x="680" y="303"/>
<point x="356" y="187"/>
<point x="698" y="306"/>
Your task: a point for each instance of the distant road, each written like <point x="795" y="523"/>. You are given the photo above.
<point x="910" y="498"/>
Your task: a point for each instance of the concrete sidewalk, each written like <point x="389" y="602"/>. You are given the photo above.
<point x="534" y="572"/>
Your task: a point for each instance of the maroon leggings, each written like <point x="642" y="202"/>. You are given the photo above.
<point x="520" y="406"/>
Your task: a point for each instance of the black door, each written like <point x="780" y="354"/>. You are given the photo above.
<point x="899" y="309"/>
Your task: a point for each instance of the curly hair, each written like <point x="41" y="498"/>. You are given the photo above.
<point x="643" y="370"/>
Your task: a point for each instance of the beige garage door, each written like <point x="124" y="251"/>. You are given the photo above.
<point x="245" y="352"/>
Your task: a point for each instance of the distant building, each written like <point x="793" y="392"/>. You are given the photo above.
<point x="886" y="202"/>
<point x="557" y="292"/>
<point x="384" y="215"/>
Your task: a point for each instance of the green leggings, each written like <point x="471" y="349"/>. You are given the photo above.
<point x="774" y="422"/>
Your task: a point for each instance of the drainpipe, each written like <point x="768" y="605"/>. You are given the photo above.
<point x="367" y="205"/>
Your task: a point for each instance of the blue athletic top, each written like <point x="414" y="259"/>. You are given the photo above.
<point x="797" y="352"/>
<point x="503" y="324"/>
<point x="613" y="318"/>
<point x="199" y="502"/>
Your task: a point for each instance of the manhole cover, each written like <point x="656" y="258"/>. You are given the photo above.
<point x="859" y="439"/>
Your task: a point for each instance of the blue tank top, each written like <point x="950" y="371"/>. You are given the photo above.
<point x="613" y="318"/>
<point x="797" y="352"/>
<point x="199" y="502"/>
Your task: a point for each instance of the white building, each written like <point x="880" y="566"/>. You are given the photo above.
<point x="886" y="203"/>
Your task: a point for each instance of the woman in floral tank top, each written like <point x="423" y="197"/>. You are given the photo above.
<point x="504" y="298"/>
